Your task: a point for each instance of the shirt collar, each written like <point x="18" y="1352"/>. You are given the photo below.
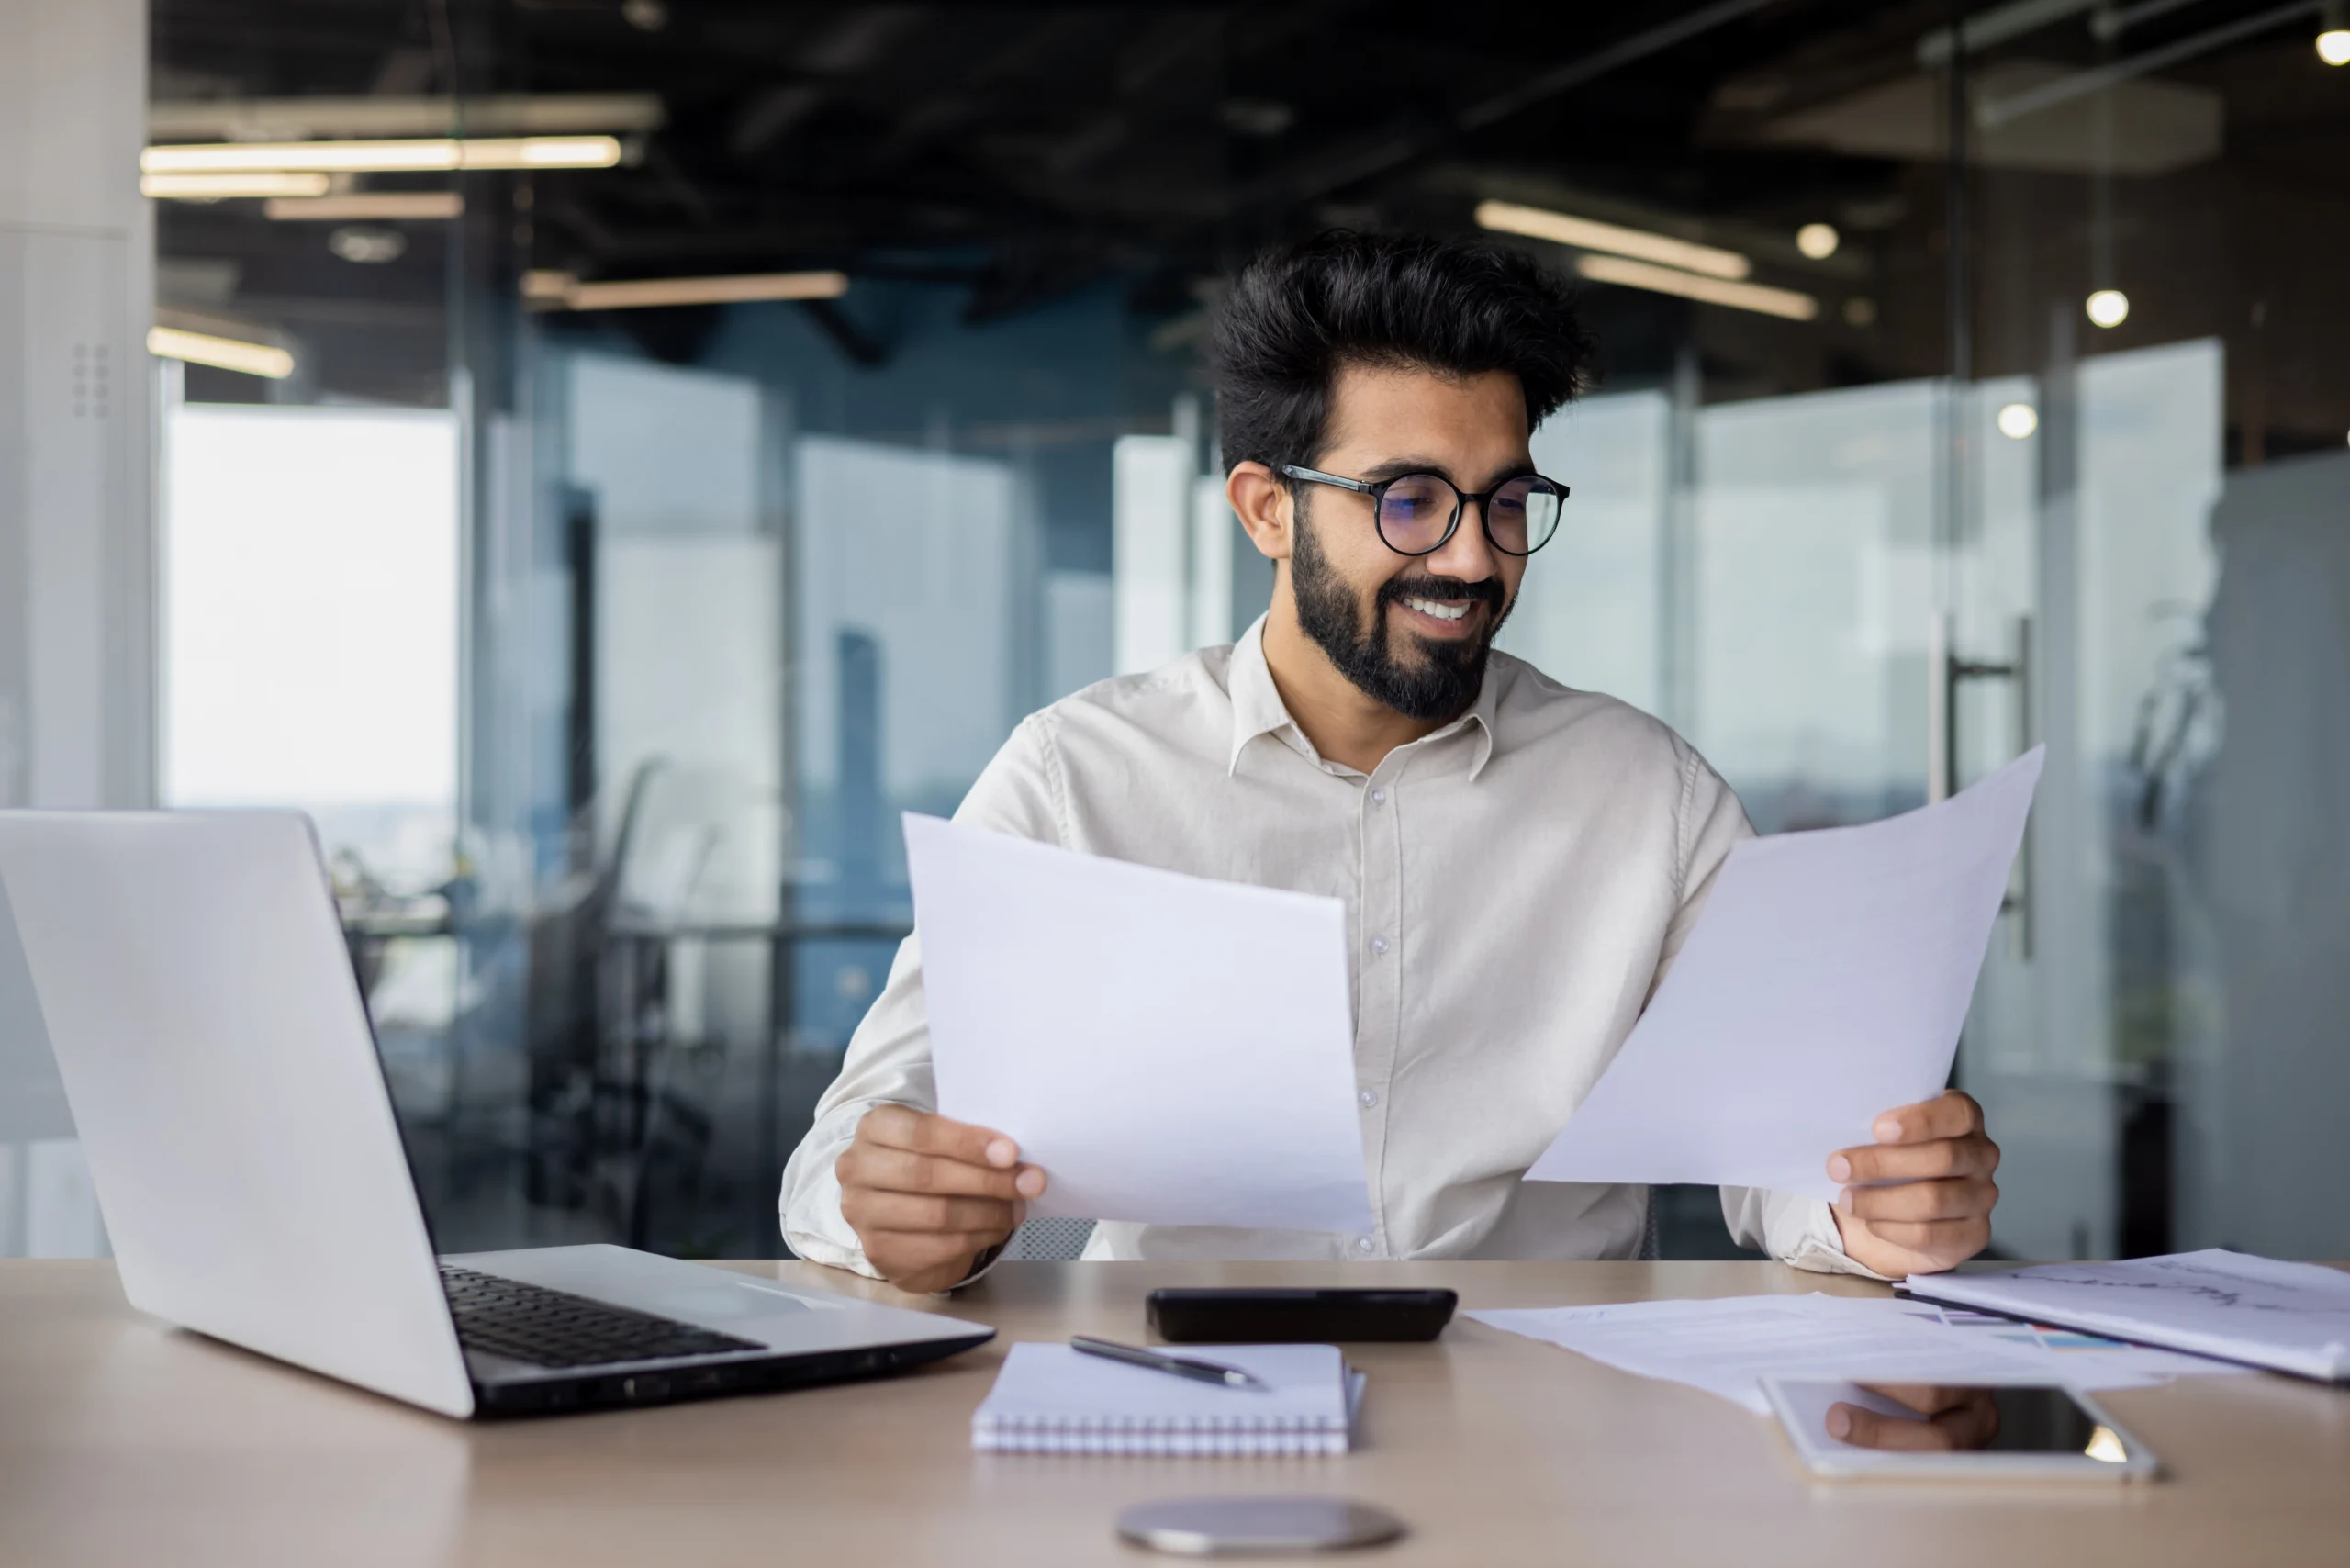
<point x="1258" y="709"/>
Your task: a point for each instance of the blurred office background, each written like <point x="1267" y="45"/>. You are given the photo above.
<point x="608" y="537"/>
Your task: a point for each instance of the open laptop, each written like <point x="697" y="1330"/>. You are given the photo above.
<point x="188" y="972"/>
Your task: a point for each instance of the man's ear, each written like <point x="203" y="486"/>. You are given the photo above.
<point x="1264" y="506"/>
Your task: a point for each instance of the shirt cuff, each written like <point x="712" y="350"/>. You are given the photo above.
<point x="983" y="1263"/>
<point x="1799" y="1232"/>
<point x="810" y="1210"/>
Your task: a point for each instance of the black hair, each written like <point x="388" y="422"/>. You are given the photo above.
<point x="1297" y="315"/>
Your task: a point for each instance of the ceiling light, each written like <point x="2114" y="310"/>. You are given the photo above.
<point x="1859" y="311"/>
<point x="2107" y="307"/>
<point x="220" y="187"/>
<point x="545" y="285"/>
<point x="1785" y="302"/>
<point x="2334" y="46"/>
<point x="427" y="154"/>
<point x="313" y="117"/>
<point x="368" y="247"/>
<point x="2017" y="420"/>
<point x="561" y="290"/>
<point x="1817" y="240"/>
<point x="224" y="353"/>
<point x="380" y="206"/>
<point x="1589" y="234"/>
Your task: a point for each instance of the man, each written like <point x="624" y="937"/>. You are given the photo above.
<point x="1519" y="861"/>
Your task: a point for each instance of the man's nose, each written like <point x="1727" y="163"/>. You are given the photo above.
<point x="1468" y="554"/>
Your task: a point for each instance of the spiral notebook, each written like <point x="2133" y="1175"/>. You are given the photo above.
<point x="1050" y="1399"/>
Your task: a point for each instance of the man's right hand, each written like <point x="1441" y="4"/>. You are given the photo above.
<point x="926" y="1196"/>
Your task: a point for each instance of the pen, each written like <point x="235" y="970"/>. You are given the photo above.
<point x="1181" y="1366"/>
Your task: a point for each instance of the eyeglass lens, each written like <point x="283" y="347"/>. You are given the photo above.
<point x="1419" y="509"/>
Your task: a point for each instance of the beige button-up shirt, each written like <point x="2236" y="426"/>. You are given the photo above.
<point x="1516" y="884"/>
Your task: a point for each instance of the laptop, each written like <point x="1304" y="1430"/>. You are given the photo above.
<point x="189" y="973"/>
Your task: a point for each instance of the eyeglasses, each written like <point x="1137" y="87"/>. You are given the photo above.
<point x="1418" y="514"/>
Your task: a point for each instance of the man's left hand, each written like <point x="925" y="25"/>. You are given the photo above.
<point x="1919" y="1200"/>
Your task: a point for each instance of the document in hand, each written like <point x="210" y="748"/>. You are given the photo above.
<point x="1825" y="983"/>
<point x="1169" y="1049"/>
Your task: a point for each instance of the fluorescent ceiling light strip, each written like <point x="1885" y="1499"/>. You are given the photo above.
<point x="360" y="207"/>
<point x="217" y="187"/>
<point x="225" y="354"/>
<point x="429" y="155"/>
<point x="1997" y="26"/>
<point x="308" y="119"/>
<point x="1589" y="234"/>
<point x="1784" y="302"/>
<point x="1992" y="113"/>
<point x="641" y="293"/>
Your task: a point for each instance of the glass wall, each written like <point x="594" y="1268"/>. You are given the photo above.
<point x="609" y="638"/>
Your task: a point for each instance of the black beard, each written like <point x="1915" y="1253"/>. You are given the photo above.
<point x="1440" y="685"/>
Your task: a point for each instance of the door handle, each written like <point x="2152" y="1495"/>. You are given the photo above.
<point x="1947" y="672"/>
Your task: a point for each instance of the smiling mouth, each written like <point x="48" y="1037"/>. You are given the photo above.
<point x="1441" y="610"/>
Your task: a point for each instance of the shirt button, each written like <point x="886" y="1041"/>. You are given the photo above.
<point x="1378" y="944"/>
<point x="1365" y="1244"/>
<point x="1379" y="797"/>
<point x="1369" y="1097"/>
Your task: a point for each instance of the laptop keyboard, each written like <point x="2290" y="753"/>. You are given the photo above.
<point x="555" y="1328"/>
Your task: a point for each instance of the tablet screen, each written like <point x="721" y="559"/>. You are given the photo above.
<point x="1955" y="1418"/>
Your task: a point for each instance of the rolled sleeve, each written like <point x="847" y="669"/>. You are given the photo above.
<point x="1797" y="1231"/>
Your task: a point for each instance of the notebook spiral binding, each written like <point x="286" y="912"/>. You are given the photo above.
<point x="1098" y="1435"/>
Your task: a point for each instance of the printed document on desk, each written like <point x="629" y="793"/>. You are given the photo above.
<point x="2292" y="1317"/>
<point x="1727" y="1346"/>
<point x="1169" y="1049"/>
<point x="1825" y="984"/>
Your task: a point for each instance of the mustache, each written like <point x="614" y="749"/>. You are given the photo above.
<point x="1487" y="592"/>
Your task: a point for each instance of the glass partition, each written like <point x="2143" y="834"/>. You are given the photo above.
<point x="633" y="620"/>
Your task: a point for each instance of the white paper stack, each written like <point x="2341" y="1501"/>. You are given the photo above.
<point x="1051" y="1399"/>
<point x="2292" y="1317"/>
<point x="1727" y="1346"/>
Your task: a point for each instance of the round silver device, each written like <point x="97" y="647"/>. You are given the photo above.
<point x="1256" y="1526"/>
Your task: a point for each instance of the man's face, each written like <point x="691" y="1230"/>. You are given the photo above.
<point x="1411" y="631"/>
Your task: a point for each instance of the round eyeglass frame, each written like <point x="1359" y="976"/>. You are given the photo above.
<point x="1377" y="490"/>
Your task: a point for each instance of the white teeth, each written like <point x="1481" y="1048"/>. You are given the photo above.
<point x="1441" y="611"/>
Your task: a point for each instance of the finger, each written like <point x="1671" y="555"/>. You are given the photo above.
<point x="1943" y="1243"/>
<point x="1975" y="1156"/>
<point x="1918" y="1202"/>
<point x="901" y="1255"/>
<point x="902" y="1126"/>
<point x="867" y="1208"/>
<point x="1867" y="1429"/>
<point x="1973" y="1422"/>
<point x="1952" y="1115"/>
<point x="902" y="1170"/>
<point x="1926" y="1399"/>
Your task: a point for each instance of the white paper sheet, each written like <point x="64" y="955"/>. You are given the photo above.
<point x="1729" y="1345"/>
<point x="1824" y="985"/>
<point x="1169" y="1049"/>
<point x="2295" y="1316"/>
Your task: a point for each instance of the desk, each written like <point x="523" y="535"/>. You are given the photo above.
<point x="124" y="1442"/>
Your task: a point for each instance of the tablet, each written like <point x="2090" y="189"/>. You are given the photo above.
<point x="1984" y="1431"/>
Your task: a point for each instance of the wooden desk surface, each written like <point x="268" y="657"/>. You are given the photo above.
<point x="122" y="1442"/>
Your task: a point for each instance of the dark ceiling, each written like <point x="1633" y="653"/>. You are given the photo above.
<point x="1024" y="151"/>
<point x="1030" y="148"/>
